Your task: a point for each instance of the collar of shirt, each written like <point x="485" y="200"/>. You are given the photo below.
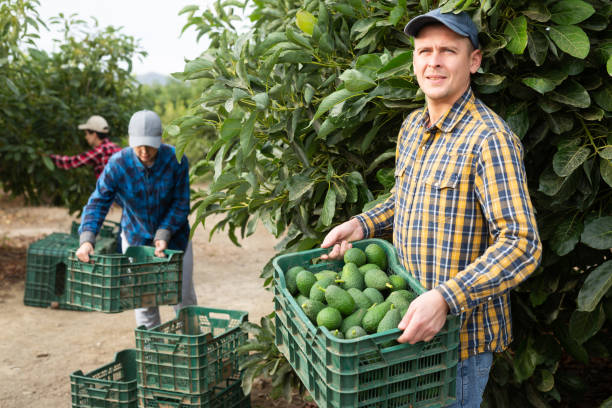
<point x="449" y="120"/>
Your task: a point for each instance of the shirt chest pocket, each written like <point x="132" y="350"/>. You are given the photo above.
<point x="450" y="171"/>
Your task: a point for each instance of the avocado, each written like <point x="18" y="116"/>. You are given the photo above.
<point x="315" y="291"/>
<point x="304" y="280"/>
<point x="397" y="282"/>
<point x="353" y="320"/>
<point x="377" y="279"/>
<point x="312" y="308"/>
<point x="374" y="315"/>
<point x="355" y="255"/>
<point x="290" y="279"/>
<point x="352" y="277"/>
<point x="340" y="299"/>
<point x="361" y="300"/>
<point x="355" y="332"/>
<point x="374" y="295"/>
<point x="329" y="317"/>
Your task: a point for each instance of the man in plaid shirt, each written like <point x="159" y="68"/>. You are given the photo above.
<point x="96" y="131"/>
<point x="460" y="211"/>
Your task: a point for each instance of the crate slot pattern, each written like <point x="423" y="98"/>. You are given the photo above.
<point x="111" y="386"/>
<point x="114" y="283"/>
<point x="192" y="353"/>
<point x="227" y="394"/>
<point x="46" y="270"/>
<point x="362" y="372"/>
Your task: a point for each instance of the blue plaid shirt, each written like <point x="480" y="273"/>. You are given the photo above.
<point x="153" y="199"/>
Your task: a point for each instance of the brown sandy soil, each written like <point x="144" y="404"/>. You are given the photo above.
<point x="40" y="347"/>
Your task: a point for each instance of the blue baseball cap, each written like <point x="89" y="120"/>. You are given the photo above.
<point x="460" y="23"/>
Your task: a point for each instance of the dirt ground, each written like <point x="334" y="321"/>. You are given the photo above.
<point x="40" y="347"/>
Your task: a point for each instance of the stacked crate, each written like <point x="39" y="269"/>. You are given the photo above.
<point x="366" y="371"/>
<point x="188" y="362"/>
<point x="192" y="360"/>
<point x="46" y="268"/>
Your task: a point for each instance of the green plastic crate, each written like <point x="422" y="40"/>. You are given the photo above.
<point x="114" y="283"/>
<point x="192" y="353"/>
<point x="228" y="394"/>
<point x="109" y="229"/>
<point x="111" y="386"/>
<point x="46" y="266"/>
<point x="363" y="372"/>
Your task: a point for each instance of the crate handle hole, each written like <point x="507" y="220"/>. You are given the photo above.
<point x="60" y="278"/>
<point x="219" y="316"/>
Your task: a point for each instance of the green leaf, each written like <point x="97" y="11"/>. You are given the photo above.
<point x="571" y="93"/>
<point x="598" y="233"/>
<point x="566" y="236"/>
<point x="329" y="207"/>
<point x="299" y="185"/>
<point x="400" y="61"/>
<point x="567" y="12"/>
<point x="48" y="162"/>
<point x="368" y="62"/>
<point x="603" y="97"/>
<point x="537" y="47"/>
<point x="332" y="100"/>
<point x="305" y="21"/>
<point x="571" y="39"/>
<point x="230" y="128"/>
<point x="356" y="81"/>
<point x="595" y="286"/>
<point x="262" y="100"/>
<point x="297" y="38"/>
<point x="584" y="325"/>
<point x="539" y="84"/>
<point x="544" y="380"/>
<point x="606" y="153"/>
<point x="173" y="130"/>
<point x="569" y="158"/>
<point x="516" y="33"/>
<point x="537" y="11"/>
<point x="524" y="363"/>
<point x="396" y="14"/>
<point x="247" y="135"/>
<point x="605" y="168"/>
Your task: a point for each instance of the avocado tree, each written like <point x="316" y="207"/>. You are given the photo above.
<point x="306" y="107"/>
<point x="44" y="96"/>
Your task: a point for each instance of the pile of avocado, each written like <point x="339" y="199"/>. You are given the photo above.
<point x="359" y="300"/>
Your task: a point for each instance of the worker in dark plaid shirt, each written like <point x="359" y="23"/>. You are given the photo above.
<point x="96" y="131"/>
<point x="153" y="188"/>
<point x="460" y="212"/>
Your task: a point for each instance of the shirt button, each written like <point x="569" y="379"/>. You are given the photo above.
<point x="462" y="308"/>
<point x="489" y="298"/>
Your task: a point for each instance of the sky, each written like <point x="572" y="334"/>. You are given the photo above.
<point x="155" y="22"/>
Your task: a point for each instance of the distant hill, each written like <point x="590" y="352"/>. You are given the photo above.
<point x="151" y="78"/>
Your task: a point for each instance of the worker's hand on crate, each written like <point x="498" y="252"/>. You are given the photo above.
<point x="160" y="247"/>
<point x="340" y="238"/>
<point x="424" y="318"/>
<point x="84" y="251"/>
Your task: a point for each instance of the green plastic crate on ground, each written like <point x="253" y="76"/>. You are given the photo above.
<point x="46" y="266"/>
<point x="114" y="283"/>
<point x="109" y="229"/>
<point x="192" y="353"/>
<point x="363" y="372"/>
<point x="227" y="394"/>
<point x="111" y="386"/>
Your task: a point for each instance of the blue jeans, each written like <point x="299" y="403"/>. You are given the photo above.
<point x="472" y="377"/>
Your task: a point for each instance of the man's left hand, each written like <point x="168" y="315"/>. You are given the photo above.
<point x="424" y="318"/>
<point x="160" y="246"/>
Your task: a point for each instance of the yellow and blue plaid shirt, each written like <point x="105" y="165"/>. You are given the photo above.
<point x="461" y="216"/>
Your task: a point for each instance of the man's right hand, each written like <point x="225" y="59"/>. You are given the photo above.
<point x="84" y="251"/>
<point x="340" y="238"/>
